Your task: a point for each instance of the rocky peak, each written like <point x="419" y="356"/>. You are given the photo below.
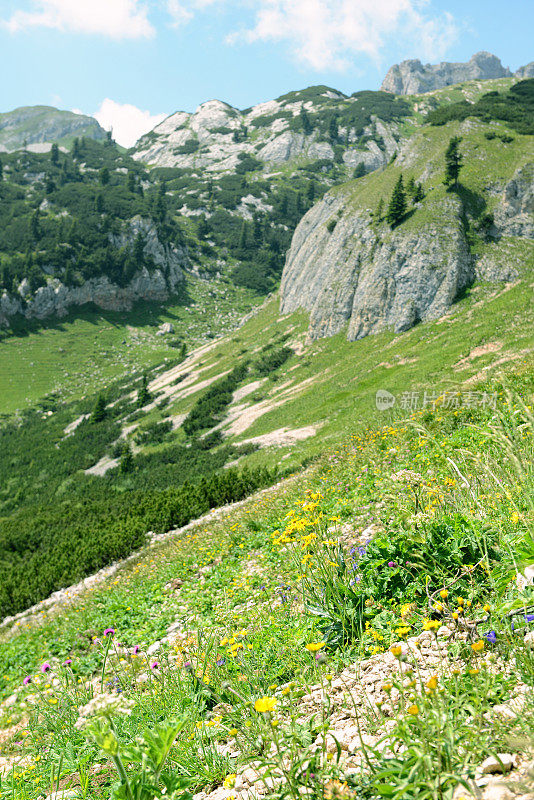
<point x="412" y="77"/>
<point x="40" y="126"/>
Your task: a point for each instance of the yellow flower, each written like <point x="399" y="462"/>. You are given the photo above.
<point x="233" y="732"/>
<point x="438" y="607"/>
<point x="431" y="624"/>
<point x="313" y="647"/>
<point x="474" y="671"/>
<point x="460" y="601"/>
<point x="444" y="594"/>
<point x="274" y="723"/>
<point x="229" y="781"/>
<point x="515" y="517"/>
<point x="477" y="647"/>
<point x="487" y="608"/>
<point x="403" y="630"/>
<point x="413" y="710"/>
<point x="396" y="651"/>
<point x="432" y="682"/>
<point x="387" y="687"/>
<point x="455" y="615"/>
<point x="265" y="704"/>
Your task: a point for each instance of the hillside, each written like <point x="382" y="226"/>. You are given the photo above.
<point x="346" y="264"/>
<point x="36" y="128"/>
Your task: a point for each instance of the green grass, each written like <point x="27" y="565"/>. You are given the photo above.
<point x="241" y="595"/>
<point x="84" y="352"/>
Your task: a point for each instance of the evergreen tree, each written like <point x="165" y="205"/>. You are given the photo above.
<point x="410" y="187"/>
<point x="139" y="250"/>
<point x="397" y="204"/>
<point x="333" y="129"/>
<point x="453" y="162"/>
<point x="49" y="185"/>
<point x="131" y="181"/>
<point x="1" y="169"/>
<point x="35" y="230"/>
<point x="127" y="461"/>
<point x="379" y="213"/>
<point x="104" y="176"/>
<point x="183" y="351"/>
<point x="143" y="395"/>
<point x="311" y="191"/>
<point x="359" y="172"/>
<point x="99" y="203"/>
<point x="243" y="239"/>
<point x="306" y="125"/>
<point x="419" y="193"/>
<point x="99" y="411"/>
<point x="54" y="154"/>
<point x="76" y="148"/>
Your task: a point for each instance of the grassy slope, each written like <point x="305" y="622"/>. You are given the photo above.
<point x="241" y="581"/>
<point x="83" y="352"/>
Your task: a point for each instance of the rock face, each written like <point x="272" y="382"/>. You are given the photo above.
<point x="349" y="272"/>
<point x="40" y="126"/>
<point x="55" y="298"/>
<point x="412" y="77"/>
<point x="525" y="72"/>
<point x="216" y="137"/>
<point x="372" y="278"/>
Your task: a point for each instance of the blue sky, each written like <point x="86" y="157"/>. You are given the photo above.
<point x="132" y="61"/>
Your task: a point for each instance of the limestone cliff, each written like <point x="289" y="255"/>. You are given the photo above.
<point x="350" y="271"/>
<point x="156" y="284"/>
<point x="412" y="77"/>
<point x="38" y="127"/>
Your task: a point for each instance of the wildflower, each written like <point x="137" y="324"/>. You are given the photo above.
<point x="455" y="615"/>
<point x="68" y="662"/>
<point x="265" y="704"/>
<point x="444" y="594"/>
<point x="135" y="650"/>
<point x="109" y="632"/>
<point x="403" y="630"/>
<point x="430" y="625"/>
<point x="27" y="680"/>
<point x="392" y="564"/>
<point x="491" y="637"/>
<point x="460" y="601"/>
<point x="45" y="667"/>
<point x="275" y="723"/>
<point x="487" y="608"/>
<point x="474" y="671"/>
<point x="233" y="731"/>
<point x="313" y="647"/>
<point x="229" y="781"/>
<point x="413" y="710"/>
<point x="477" y="647"/>
<point x="154" y="665"/>
<point x="515" y="518"/>
<point x="432" y="682"/>
<point x="438" y="607"/>
<point x="396" y="651"/>
<point x="387" y="687"/>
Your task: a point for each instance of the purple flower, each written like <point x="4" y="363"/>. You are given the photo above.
<point x="220" y="662"/>
<point x="136" y="650"/>
<point x="188" y="666"/>
<point x="27" y="680"/>
<point x="109" y="631"/>
<point x="68" y="662"/>
<point x="491" y="637"/>
<point x="392" y="564"/>
<point x="529" y="617"/>
<point x="154" y="665"/>
<point x="46" y="666"/>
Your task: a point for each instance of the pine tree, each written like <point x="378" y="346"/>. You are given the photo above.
<point x="410" y="187"/>
<point x="397" y="204"/>
<point x="333" y="129"/>
<point x="453" y="162"/>
<point x="54" y="154"/>
<point x="311" y="191"/>
<point x="359" y="172"/>
<point x="143" y="395"/>
<point x="131" y="182"/>
<point x="139" y="250"/>
<point x="379" y="213"/>
<point x="307" y="127"/>
<point x="127" y="461"/>
<point x="99" y="203"/>
<point x="35" y="230"/>
<point x="99" y="411"/>
<point x="104" y="176"/>
<point x="419" y="193"/>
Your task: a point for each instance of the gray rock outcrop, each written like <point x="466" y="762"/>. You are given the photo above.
<point x="55" y="299"/>
<point x="412" y="77"/>
<point x="525" y="72"/>
<point x="514" y="214"/>
<point x="373" y="279"/>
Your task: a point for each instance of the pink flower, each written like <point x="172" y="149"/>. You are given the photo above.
<point x="67" y="662"/>
<point x="154" y="665"/>
<point x="46" y="666"/>
<point x="136" y="650"/>
<point x="27" y="680"/>
<point x="109" y="631"/>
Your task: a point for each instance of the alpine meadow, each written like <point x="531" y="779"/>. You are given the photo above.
<point x="267" y="442"/>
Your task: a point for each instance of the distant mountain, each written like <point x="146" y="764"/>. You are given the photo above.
<point x="38" y="127"/>
<point x="412" y="77"/>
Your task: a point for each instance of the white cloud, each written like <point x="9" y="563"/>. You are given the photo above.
<point x="328" y="34"/>
<point x="324" y="34"/>
<point x="118" y="19"/>
<point x="127" y="121"/>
